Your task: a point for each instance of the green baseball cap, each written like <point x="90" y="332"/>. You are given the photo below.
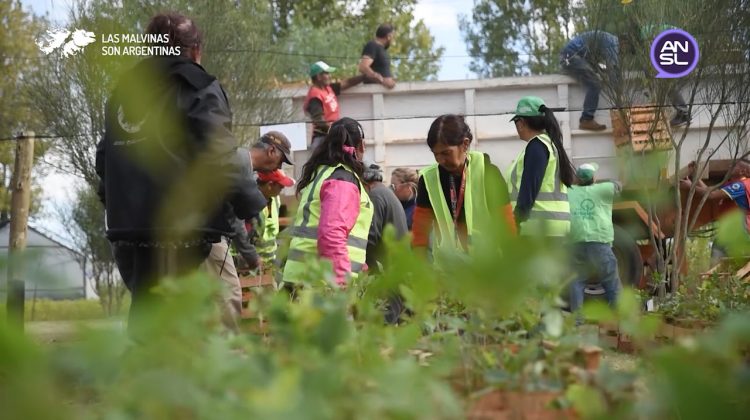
<point x="529" y="106"/>
<point x="587" y="171"/>
<point x="320" y="67"/>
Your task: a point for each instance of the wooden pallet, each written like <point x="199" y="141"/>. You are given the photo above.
<point x="250" y="285"/>
<point x="643" y="129"/>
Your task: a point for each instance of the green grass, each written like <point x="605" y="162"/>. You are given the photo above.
<point x="61" y="310"/>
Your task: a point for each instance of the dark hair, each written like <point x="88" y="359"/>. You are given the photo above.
<point x="549" y="123"/>
<point x="181" y="29"/>
<point x="330" y="152"/>
<point x="384" y="30"/>
<point x="449" y="129"/>
<point x="373" y="173"/>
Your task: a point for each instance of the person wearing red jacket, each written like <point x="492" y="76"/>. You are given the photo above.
<point x="321" y="103"/>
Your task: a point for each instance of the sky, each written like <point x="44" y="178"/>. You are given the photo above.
<point x="440" y="16"/>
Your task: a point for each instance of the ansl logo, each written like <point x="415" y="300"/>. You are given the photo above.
<point x="674" y="53"/>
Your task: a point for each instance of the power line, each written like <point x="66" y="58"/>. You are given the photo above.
<point x="412" y="117"/>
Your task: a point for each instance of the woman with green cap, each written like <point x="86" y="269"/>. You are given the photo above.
<point x="541" y="174"/>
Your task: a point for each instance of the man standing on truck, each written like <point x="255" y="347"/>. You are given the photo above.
<point x="592" y="234"/>
<point x="375" y="64"/>
<point x="321" y="103"/>
<point x="586" y="57"/>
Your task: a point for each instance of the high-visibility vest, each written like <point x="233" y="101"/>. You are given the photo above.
<point x="304" y="231"/>
<point x="327" y="97"/>
<point x="550" y="215"/>
<point x="269" y="230"/>
<point x="475" y="208"/>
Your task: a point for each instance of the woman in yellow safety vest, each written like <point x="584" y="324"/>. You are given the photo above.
<point x="334" y="214"/>
<point x="542" y="172"/>
<point x="460" y="194"/>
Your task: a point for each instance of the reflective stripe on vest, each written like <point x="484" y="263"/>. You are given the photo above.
<point x="269" y="230"/>
<point x="304" y="230"/>
<point x="475" y="209"/>
<point x="550" y="214"/>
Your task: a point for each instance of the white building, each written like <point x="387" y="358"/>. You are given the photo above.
<point x="50" y="270"/>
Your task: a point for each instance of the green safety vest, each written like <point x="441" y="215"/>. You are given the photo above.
<point x="591" y="213"/>
<point x="550" y="215"/>
<point x="474" y="206"/>
<point x="269" y="230"/>
<point x="304" y="230"/>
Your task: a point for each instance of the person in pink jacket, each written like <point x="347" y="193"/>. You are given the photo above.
<point x="334" y="214"/>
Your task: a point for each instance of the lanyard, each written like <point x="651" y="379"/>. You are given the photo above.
<point x="457" y="199"/>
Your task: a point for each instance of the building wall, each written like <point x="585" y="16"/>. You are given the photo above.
<point x="396" y="121"/>
<point x="49" y="269"/>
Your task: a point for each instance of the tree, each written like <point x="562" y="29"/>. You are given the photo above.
<point x="519" y="37"/>
<point x="19" y="58"/>
<point x="336" y="32"/>
<point x="717" y="93"/>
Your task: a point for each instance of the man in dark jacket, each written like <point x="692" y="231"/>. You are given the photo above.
<point x="169" y="165"/>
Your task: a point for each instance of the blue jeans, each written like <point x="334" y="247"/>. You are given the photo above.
<point x="579" y="68"/>
<point x="595" y="261"/>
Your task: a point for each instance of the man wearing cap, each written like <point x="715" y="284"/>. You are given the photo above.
<point x="321" y="103"/>
<point x="270" y="152"/>
<point x="267" y="154"/>
<point x="592" y="234"/>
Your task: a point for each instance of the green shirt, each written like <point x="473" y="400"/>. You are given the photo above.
<point x="591" y="212"/>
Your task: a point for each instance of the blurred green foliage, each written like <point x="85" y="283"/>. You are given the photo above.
<point x="487" y="322"/>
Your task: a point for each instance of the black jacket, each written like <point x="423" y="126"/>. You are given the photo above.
<point x="168" y="163"/>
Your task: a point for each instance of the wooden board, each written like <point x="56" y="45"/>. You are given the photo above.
<point x="635" y="208"/>
<point x="256" y="281"/>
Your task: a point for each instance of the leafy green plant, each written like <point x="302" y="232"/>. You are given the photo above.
<point x="708" y="299"/>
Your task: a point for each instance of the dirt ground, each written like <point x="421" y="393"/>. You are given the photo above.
<point x="62" y="331"/>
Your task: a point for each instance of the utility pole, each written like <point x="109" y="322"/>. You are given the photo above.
<point x="19" y="217"/>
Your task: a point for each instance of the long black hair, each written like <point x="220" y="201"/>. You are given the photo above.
<point x="330" y="152"/>
<point x="549" y="123"/>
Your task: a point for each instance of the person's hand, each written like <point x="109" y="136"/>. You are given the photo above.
<point x="255" y="264"/>
<point x="389" y="83"/>
<point x="685" y="184"/>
